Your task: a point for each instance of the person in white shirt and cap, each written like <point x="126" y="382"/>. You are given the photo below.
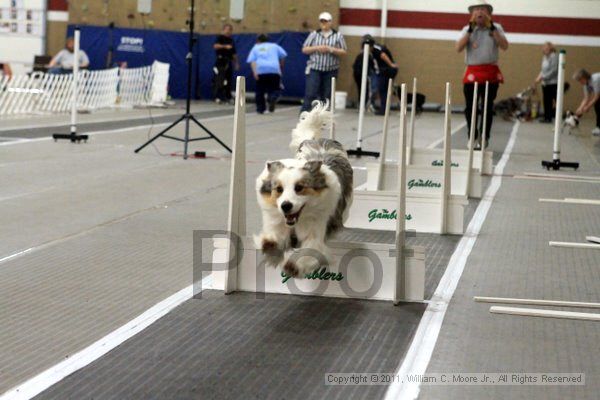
<point x="481" y="38"/>
<point x="324" y="48"/>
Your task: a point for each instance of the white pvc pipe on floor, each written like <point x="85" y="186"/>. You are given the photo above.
<point x="536" y="302"/>
<point x="575" y="245"/>
<point x="534" y="312"/>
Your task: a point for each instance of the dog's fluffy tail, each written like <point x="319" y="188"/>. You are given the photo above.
<point x="311" y="124"/>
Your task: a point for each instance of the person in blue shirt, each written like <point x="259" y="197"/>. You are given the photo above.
<point x="266" y="60"/>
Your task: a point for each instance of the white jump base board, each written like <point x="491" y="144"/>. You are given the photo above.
<point x="460" y="158"/>
<point x="358" y="281"/>
<point x="377" y="210"/>
<point x="425" y="179"/>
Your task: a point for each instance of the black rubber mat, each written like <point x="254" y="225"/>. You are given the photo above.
<point x="241" y="347"/>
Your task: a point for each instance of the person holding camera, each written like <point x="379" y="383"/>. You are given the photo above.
<point x="481" y="39"/>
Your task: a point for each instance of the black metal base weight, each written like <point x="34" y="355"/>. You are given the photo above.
<point x="73" y="137"/>
<point x="359" y="152"/>
<point x="185" y="118"/>
<point x="557" y="164"/>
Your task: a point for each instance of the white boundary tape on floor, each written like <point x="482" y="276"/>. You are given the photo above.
<point x="420" y="351"/>
<point x="75" y="362"/>
<point x="535" y="312"/>
<point x="535" y="302"/>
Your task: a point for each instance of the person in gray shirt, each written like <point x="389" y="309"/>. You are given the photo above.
<point x="63" y="62"/>
<point x="591" y="95"/>
<point x="548" y="77"/>
<point x="481" y="39"/>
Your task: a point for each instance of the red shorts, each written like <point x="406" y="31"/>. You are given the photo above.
<point x="482" y="73"/>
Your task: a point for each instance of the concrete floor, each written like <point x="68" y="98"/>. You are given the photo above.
<point x="93" y="234"/>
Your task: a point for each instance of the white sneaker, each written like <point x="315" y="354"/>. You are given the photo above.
<point x="596" y="131"/>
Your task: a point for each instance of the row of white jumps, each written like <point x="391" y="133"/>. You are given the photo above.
<point x="438" y="182"/>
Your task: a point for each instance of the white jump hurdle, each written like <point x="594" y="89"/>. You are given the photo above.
<point x="361" y="270"/>
<point x="430" y="207"/>
<point x="425" y="178"/>
<point x="482" y="159"/>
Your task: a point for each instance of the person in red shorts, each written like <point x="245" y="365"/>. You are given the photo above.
<point x="481" y="39"/>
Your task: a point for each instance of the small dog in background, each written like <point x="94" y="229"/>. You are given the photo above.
<point x="306" y="199"/>
<point x="570" y="122"/>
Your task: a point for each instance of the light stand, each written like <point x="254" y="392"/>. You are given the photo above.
<point x="556" y="163"/>
<point x="187" y="117"/>
<point x="111" y="48"/>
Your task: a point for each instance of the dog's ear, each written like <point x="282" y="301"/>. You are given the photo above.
<point x="313" y="166"/>
<point x="274" y="166"/>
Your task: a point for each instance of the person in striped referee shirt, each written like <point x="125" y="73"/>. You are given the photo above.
<point x="324" y="48"/>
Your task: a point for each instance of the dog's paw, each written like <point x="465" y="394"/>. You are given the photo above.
<point x="291" y="269"/>
<point x="271" y="250"/>
<point x="306" y="265"/>
<point x="268" y="246"/>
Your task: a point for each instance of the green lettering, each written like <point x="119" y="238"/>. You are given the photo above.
<point x="285" y="277"/>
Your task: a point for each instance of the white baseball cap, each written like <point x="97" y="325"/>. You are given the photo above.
<point x="326" y="16"/>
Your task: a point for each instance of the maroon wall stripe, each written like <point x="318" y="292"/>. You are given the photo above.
<point x="454" y="21"/>
<point x="58" y="5"/>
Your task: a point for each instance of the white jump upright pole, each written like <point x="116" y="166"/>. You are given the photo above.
<point x="236" y="222"/>
<point x="411" y="133"/>
<point x="384" y="138"/>
<point x="332" y="109"/>
<point x="472" y="136"/>
<point x="72" y="136"/>
<point x="556" y="163"/>
<point x="446" y="180"/>
<point x="361" y="107"/>
<point x="400" y="284"/>
<point x="75" y="84"/>
<point x="483" y="124"/>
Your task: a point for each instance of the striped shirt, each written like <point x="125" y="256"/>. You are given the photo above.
<point x="324" y="61"/>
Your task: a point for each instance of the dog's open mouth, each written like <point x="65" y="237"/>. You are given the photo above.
<point x="291" y="219"/>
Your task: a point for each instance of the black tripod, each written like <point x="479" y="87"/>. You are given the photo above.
<point x="187" y="117"/>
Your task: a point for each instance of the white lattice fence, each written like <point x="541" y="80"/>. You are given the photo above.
<point x="51" y="93"/>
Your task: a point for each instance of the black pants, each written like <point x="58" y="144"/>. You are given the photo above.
<point x="549" y="92"/>
<point x="468" y="91"/>
<point x="597" y="109"/>
<point x="268" y="84"/>
<point x="382" y="84"/>
<point x="223" y="81"/>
